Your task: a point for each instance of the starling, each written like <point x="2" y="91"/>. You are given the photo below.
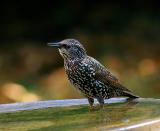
<point x="88" y="75"/>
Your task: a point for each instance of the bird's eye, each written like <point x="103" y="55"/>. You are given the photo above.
<point x="66" y="46"/>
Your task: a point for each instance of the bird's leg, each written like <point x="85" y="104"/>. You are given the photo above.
<point x="101" y="101"/>
<point x="91" y="101"/>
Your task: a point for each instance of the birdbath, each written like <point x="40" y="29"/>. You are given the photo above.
<point x="73" y="114"/>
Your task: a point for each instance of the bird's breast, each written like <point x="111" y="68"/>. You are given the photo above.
<point x="79" y="73"/>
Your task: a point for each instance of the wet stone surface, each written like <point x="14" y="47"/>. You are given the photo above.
<point x="68" y="115"/>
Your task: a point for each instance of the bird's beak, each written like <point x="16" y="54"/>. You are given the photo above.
<point x="56" y="45"/>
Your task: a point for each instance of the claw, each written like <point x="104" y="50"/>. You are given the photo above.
<point x="91" y="108"/>
<point x="101" y="106"/>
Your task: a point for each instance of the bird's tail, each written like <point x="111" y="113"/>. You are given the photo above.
<point x="130" y="94"/>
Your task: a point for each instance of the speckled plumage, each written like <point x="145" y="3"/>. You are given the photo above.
<point x="88" y="75"/>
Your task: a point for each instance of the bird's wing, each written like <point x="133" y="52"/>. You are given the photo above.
<point x="103" y="75"/>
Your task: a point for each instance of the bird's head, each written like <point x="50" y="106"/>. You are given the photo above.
<point x="70" y="49"/>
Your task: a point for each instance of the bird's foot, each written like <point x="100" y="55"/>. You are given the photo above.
<point x="101" y="102"/>
<point x="101" y="106"/>
<point x="92" y="108"/>
<point x="95" y="108"/>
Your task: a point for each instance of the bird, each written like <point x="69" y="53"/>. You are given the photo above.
<point x="88" y="75"/>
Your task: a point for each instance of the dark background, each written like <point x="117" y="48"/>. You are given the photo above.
<point x="124" y="36"/>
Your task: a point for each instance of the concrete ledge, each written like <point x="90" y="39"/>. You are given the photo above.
<point x="6" y="108"/>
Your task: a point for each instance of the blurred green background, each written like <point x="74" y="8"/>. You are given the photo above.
<point x="124" y="36"/>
